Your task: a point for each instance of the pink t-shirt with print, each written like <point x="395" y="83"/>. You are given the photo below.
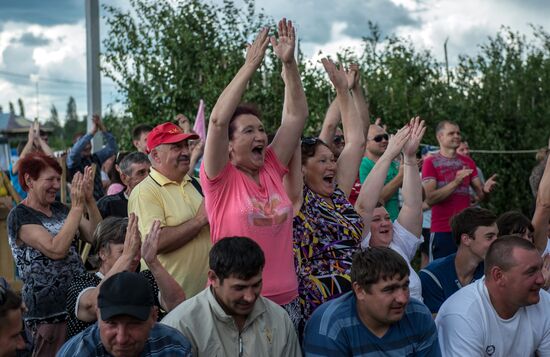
<point x="238" y="206"/>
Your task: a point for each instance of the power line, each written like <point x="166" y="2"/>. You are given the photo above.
<point x="483" y="151"/>
<point x="48" y="79"/>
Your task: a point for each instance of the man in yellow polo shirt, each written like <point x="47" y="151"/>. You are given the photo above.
<point x="169" y="195"/>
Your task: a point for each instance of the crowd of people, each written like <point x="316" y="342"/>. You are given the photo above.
<point x="285" y="247"/>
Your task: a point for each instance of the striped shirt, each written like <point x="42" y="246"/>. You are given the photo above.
<point x="163" y="341"/>
<point x="336" y="330"/>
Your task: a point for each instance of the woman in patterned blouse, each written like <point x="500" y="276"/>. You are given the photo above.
<point x="42" y="235"/>
<point x="327" y="230"/>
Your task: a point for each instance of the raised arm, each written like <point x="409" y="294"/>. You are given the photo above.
<point x="350" y="158"/>
<point x="27" y="148"/>
<point x="196" y="154"/>
<point x="410" y="216"/>
<point x="330" y="123"/>
<point x="57" y="247"/>
<point x="39" y="142"/>
<point x="294" y="180"/>
<point x="128" y="261"/>
<point x="171" y="293"/>
<point x="391" y="187"/>
<point x="74" y="154"/>
<point x="541" y="217"/>
<point x="354" y="85"/>
<point x="370" y="190"/>
<point x="295" y="109"/>
<point x="88" y="225"/>
<point x="217" y="141"/>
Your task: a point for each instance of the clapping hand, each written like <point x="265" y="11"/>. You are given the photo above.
<point x="418" y="128"/>
<point x="397" y="141"/>
<point x="88" y="183"/>
<point x="151" y="243"/>
<point x="132" y="242"/>
<point x="78" y="197"/>
<point x="462" y="174"/>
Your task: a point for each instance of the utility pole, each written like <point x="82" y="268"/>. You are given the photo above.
<point x="93" y="77"/>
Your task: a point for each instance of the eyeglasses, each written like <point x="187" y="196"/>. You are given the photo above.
<point x="379" y="138"/>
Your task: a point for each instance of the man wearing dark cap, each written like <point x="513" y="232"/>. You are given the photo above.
<point x="171" y="196"/>
<point x="126" y="324"/>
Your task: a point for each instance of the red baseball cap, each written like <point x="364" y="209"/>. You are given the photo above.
<point x="167" y="133"/>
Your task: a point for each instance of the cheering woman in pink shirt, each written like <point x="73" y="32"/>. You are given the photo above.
<point x="242" y="176"/>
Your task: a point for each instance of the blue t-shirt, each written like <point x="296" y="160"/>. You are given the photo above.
<point x="439" y="281"/>
<point x="163" y="341"/>
<point x="336" y="330"/>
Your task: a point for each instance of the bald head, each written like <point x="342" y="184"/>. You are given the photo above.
<point x="377" y="142"/>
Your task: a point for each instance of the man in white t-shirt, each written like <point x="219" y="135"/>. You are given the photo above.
<point x="504" y="314"/>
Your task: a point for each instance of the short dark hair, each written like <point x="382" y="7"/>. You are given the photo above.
<point x="442" y="124"/>
<point x="309" y="147"/>
<point x="140" y="129"/>
<point x="467" y="221"/>
<point x="112" y="230"/>
<point x="242" y="109"/>
<point x="513" y="222"/>
<point x="8" y="301"/>
<point x="132" y="158"/>
<point x="238" y="256"/>
<point x="375" y="263"/>
<point x="33" y="164"/>
<point x="501" y="251"/>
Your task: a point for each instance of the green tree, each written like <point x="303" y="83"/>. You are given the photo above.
<point x="57" y="136"/>
<point x="72" y="125"/>
<point x="165" y="56"/>
<point x="21" y="107"/>
<point x="12" y="108"/>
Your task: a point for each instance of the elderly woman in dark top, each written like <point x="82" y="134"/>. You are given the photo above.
<point x="119" y="249"/>
<point x="42" y="235"/>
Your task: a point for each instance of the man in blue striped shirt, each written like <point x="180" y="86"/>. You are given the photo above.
<point x="127" y="324"/>
<point x="377" y="318"/>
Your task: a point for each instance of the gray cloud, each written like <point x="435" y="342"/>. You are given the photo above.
<point x="19" y="59"/>
<point x="50" y="12"/>
<point x="315" y="17"/>
<point x="31" y="40"/>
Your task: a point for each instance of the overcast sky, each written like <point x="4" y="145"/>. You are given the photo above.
<point x="48" y="37"/>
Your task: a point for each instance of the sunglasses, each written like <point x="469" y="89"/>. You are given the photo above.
<point x="338" y="139"/>
<point x="379" y="138"/>
<point x="3" y="295"/>
<point x="310" y="140"/>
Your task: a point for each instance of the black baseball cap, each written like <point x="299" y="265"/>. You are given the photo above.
<point x="126" y="293"/>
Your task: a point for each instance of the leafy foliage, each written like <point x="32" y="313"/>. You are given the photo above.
<point x="165" y="56"/>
